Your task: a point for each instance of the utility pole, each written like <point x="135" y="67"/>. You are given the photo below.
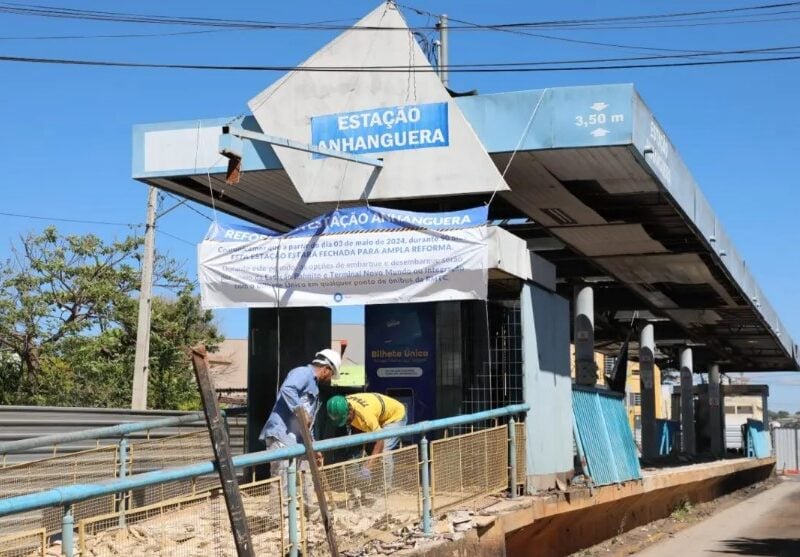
<point x="443" y="49"/>
<point x="141" y="365"/>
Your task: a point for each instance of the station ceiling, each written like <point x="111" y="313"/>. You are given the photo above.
<point x="617" y="211"/>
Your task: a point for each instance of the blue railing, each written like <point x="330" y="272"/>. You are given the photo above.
<point x="70" y="494"/>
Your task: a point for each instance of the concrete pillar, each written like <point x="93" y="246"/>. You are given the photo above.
<point x="715" y="404"/>
<point x="765" y="409"/>
<point x="585" y="366"/>
<point x="687" y="402"/>
<point x="647" y="348"/>
<point x="547" y="387"/>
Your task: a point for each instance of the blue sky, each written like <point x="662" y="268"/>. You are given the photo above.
<point x="66" y="142"/>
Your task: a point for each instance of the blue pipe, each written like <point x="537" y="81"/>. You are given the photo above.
<point x="68" y="532"/>
<point x="123" y="473"/>
<point x="426" y="487"/>
<point x="512" y="451"/>
<point x="97" y="433"/>
<point x="294" y="543"/>
<point x="79" y="492"/>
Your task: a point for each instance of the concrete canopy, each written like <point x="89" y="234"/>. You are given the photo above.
<point x="596" y="188"/>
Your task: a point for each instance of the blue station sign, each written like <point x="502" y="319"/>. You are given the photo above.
<point x="377" y="130"/>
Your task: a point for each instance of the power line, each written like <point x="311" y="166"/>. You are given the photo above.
<point x="188" y="206"/>
<point x="532" y="67"/>
<point x="77" y="221"/>
<point x="174" y="237"/>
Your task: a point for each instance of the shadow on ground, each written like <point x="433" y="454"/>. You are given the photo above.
<point x="779" y="547"/>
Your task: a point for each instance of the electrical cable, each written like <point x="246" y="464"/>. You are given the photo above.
<point x="77" y="221"/>
<point x="384" y="69"/>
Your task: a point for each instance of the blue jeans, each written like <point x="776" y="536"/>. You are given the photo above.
<point x="389" y="445"/>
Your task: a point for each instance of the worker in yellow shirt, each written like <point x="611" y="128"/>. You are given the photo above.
<point x="367" y="412"/>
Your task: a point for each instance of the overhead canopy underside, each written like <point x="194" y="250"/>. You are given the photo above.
<point x="596" y="188"/>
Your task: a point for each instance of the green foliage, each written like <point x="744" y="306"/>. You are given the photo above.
<point x="68" y="316"/>
<point x="682" y="511"/>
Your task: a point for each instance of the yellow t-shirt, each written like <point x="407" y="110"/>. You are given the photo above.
<point x="373" y="411"/>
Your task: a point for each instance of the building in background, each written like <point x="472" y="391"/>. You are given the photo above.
<point x="228" y="365"/>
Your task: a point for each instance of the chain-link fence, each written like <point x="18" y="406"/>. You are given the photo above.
<point x="168" y="452"/>
<point x="90" y="466"/>
<point x="24" y="544"/>
<point x="386" y="499"/>
<point x="189" y="526"/>
<point x="469" y="466"/>
<point x="522" y="474"/>
<point x="370" y="498"/>
<point x="179" y="528"/>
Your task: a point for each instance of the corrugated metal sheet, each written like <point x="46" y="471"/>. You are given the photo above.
<point x="605" y="435"/>
<point x="22" y="422"/>
<point x="787" y="449"/>
<point x="758" y="442"/>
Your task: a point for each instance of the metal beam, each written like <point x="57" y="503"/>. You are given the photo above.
<point x="291" y="144"/>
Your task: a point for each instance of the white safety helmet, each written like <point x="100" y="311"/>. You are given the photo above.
<point x="330" y="358"/>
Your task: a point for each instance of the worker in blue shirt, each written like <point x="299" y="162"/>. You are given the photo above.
<point x="300" y="388"/>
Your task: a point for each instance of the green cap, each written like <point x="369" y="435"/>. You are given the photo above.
<point x="337" y="410"/>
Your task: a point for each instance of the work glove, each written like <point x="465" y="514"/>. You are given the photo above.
<point x="365" y="473"/>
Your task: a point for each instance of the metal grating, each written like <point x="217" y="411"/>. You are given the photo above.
<point x="522" y="473"/>
<point x="168" y="452"/>
<point x="499" y="382"/>
<point x="605" y="436"/>
<point x="82" y="467"/>
<point x="386" y="501"/>
<point x="469" y="466"/>
<point x="24" y="544"/>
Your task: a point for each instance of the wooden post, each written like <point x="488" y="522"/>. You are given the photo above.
<point x="222" y="455"/>
<point x="302" y="416"/>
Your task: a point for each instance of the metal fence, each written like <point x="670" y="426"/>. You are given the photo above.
<point x="24" y="544"/>
<point x="188" y="526"/>
<point x="385" y="500"/>
<point x="522" y="474"/>
<point x="396" y="495"/>
<point x="468" y="466"/>
<point x="19" y="423"/>
<point x="787" y="450"/>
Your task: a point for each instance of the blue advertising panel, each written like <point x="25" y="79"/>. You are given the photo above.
<point x="401" y="355"/>
<point x="378" y="130"/>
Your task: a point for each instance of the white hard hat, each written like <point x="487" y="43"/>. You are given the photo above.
<point x="328" y="357"/>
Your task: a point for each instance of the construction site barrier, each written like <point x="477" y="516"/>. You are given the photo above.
<point x="493" y="442"/>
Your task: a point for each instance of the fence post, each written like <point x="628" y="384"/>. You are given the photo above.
<point x="67" y="532"/>
<point x="797" y="449"/>
<point x="123" y="472"/>
<point x="291" y="488"/>
<point x="512" y="451"/>
<point x="426" y="487"/>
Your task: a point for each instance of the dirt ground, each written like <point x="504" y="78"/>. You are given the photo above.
<point x="682" y="517"/>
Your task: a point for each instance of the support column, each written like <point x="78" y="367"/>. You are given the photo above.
<point x="687" y="402"/>
<point x="547" y="387"/>
<point x="585" y="366"/>
<point x="715" y="425"/>
<point x="647" y="348"/>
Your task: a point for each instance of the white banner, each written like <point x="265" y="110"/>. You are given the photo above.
<point x="348" y="257"/>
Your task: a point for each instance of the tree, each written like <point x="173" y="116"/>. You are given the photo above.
<point x="68" y="309"/>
